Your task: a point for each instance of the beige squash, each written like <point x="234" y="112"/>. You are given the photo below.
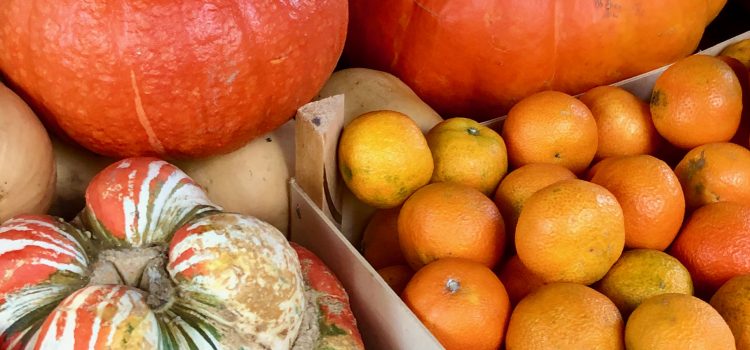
<point x="27" y="165"/>
<point x="251" y="180"/>
<point x="76" y="166"/>
<point x="367" y="90"/>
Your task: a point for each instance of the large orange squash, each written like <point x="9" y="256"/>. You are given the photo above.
<point x="476" y="58"/>
<point x="169" y="78"/>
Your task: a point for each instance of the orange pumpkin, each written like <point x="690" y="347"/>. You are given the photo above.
<point x="169" y="78"/>
<point x="476" y="58"/>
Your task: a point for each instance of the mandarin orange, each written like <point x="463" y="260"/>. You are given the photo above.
<point x="461" y="302"/>
<point x="697" y="100"/>
<point x="551" y="127"/>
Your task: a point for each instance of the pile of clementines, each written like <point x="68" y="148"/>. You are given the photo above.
<point x="598" y="222"/>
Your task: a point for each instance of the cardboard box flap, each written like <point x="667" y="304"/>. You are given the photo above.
<point x="317" y="129"/>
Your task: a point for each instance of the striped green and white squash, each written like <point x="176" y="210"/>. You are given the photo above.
<point x="153" y="265"/>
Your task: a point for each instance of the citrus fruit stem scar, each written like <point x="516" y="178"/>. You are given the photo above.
<point x="452" y="285"/>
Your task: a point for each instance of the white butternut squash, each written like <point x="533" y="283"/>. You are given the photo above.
<point x="27" y="165"/>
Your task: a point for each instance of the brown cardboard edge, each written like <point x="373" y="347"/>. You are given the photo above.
<point x="383" y="319"/>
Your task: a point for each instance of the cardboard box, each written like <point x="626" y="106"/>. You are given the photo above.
<point x="328" y="220"/>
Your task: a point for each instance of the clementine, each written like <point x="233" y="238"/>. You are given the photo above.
<point x="643" y="273"/>
<point x="732" y="301"/>
<point x="551" y="127"/>
<point x="623" y="122"/>
<point x="715" y="172"/>
<point x="384" y="158"/>
<point x="676" y="321"/>
<point x="714" y="245"/>
<point x="518" y="280"/>
<point x="445" y="219"/>
<point x="739" y="50"/>
<point x="380" y="239"/>
<point x="570" y="231"/>
<point x="565" y="316"/>
<point x="650" y="196"/>
<point x="743" y="74"/>
<point x="461" y="302"/>
<point x="469" y="153"/>
<point x="396" y="276"/>
<point x="520" y="184"/>
<point x="697" y="100"/>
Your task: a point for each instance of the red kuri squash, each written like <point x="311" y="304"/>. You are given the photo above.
<point x="476" y="58"/>
<point x="169" y="78"/>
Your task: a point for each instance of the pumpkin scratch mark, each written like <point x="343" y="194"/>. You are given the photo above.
<point x="555" y="42"/>
<point x="143" y="118"/>
<point x="425" y="9"/>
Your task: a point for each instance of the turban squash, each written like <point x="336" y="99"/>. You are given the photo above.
<point x="151" y="263"/>
<point x="476" y="58"/>
<point x="176" y="79"/>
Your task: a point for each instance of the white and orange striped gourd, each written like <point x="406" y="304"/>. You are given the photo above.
<point x="150" y="263"/>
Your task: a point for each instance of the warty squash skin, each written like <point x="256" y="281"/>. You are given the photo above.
<point x="177" y="79"/>
<point x="333" y="318"/>
<point x="27" y="164"/>
<point x="477" y="58"/>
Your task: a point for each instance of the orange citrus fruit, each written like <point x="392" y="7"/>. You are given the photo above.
<point x="518" y="280"/>
<point x="468" y="153"/>
<point x="715" y="172"/>
<point x="461" y="302"/>
<point x="384" y="158"/>
<point x="551" y="127"/>
<point x="380" y="239"/>
<point x="697" y="100"/>
<point x="714" y="245"/>
<point x="564" y="316"/>
<point x="739" y="50"/>
<point x="676" y="321"/>
<point x="650" y="196"/>
<point x="570" y="231"/>
<point x="445" y="219"/>
<point x="743" y="74"/>
<point x="396" y="276"/>
<point x="732" y="301"/>
<point x="623" y="121"/>
<point x="520" y="184"/>
<point x="643" y="273"/>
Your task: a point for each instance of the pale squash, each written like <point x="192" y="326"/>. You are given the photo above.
<point x="366" y="90"/>
<point x="251" y="180"/>
<point x="76" y="166"/>
<point x="27" y="165"/>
